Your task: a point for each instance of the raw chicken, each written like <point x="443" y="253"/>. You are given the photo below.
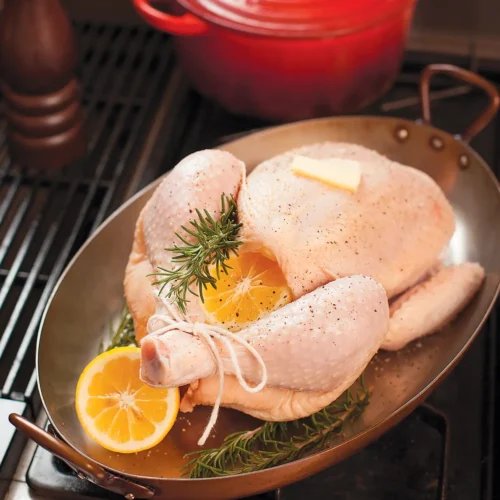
<point x="346" y="320"/>
<point x="359" y="307"/>
<point x="392" y="229"/>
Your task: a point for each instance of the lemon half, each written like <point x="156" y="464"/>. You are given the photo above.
<point x="119" y="411"/>
<point x="253" y="288"/>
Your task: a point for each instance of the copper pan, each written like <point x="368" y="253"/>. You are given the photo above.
<point x="90" y="292"/>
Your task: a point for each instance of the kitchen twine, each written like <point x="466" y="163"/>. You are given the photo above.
<point x="177" y="321"/>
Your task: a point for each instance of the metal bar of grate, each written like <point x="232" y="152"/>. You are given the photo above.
<point x="22" y="251"/>
<point x="46" y="181"/>
<point x="90" y="51"/>
<point x="16" y="222"/>
<point x="117" y="69"/>
<point x="139" y="122"/>
<point x="30" y="388"/>
<point x="23" y="275"/>
<point x="15" y="182"/>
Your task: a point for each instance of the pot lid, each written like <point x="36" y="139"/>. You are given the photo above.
<point x="295" y="18"/>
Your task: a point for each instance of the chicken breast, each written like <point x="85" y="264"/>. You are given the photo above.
<point x="392" y="228"/>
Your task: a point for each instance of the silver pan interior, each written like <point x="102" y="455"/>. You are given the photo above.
<point x="90" y="291"/>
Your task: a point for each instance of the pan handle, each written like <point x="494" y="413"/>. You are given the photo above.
<point x="89" y="470"/>
<point x="467" y="76"/>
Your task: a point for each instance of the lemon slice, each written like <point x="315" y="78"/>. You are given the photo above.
<point x="253" y="288"/>
<point x="119" y="411"/>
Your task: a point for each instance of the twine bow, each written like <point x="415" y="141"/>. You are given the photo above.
<point x="207" y="333"/>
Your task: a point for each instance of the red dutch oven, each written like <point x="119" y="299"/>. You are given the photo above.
<point x="288" y="59"/>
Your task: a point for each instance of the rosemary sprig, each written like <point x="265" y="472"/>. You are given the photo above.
<point x="214" y="241"/>
<point x="124" y="333"/>
<point x="274" y="443"/>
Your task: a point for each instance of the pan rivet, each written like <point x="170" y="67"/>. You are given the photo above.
<point x="463" y="161"/>
<point x="402" y="134"/>
<point x="437" y="143"/>
<point x="81" y="475"/>
<point x="130" y="496"/>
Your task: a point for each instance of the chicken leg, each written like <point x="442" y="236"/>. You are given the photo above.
<point x="317" y="343"/>
<point x="313" y="350"/>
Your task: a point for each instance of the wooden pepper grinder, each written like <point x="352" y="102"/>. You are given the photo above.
<point x="40" y="93"/>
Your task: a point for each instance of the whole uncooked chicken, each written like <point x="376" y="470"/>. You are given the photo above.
<point x="333" y="247"/>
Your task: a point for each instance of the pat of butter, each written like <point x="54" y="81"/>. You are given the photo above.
<point x="338" y="172"/>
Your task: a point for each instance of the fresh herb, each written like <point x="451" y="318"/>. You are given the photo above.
<point x="274" y="443"/>
<point x="124" y="333"/>
<point x="214" y="240"/>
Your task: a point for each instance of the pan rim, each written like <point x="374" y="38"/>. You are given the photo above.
<point x="370" y="433"/>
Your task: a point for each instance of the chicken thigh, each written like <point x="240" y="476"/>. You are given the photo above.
<point x="313" y="350"/>
<point x="320" y="342"/>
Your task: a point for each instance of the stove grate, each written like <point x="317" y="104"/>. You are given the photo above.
<point x="44" y="218"/>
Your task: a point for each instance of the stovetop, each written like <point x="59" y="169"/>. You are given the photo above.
<point x="142" y="120"/>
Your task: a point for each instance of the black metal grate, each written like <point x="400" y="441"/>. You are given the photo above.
<point x="45" y="218"/>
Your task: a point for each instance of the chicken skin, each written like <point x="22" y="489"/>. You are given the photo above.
<point x="344" y="255"/>
<point x="393" y="228"/>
